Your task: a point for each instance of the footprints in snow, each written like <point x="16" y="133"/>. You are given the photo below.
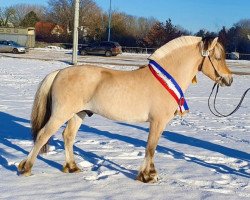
<point x="105" y="168"/>
<point x="224" y="184"/>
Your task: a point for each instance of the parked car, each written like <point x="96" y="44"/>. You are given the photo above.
<point x="11" y="46"/>
<point x="101" y="48"/>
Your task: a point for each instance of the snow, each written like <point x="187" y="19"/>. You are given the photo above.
<point x="53" y="49"/>
<point x="198" y="157"/>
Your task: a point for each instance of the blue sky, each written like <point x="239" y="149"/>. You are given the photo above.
<point x="190" y="14"/>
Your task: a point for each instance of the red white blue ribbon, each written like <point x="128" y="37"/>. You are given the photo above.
<point x="170" y="85"/>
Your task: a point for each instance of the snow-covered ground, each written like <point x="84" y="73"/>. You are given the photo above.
<point x="198" y="157"/>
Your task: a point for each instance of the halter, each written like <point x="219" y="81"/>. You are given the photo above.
<point x="215" y="112"/>
<point x="206" y="54"/>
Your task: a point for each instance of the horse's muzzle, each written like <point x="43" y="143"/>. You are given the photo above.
<point x="225" y="80"/>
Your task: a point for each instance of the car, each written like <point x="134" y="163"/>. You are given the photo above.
<point x="11" y="46"/>
<point x="101" y="48"/>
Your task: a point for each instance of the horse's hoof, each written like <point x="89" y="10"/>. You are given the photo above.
<point x="24" y="169"/>
<point x="71" y="168"/>
<point x="147" y="177"/>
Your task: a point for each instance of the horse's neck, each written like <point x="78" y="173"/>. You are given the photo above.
<point x="182" y="65"/>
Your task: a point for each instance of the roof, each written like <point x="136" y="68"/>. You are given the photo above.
<point x="47" y="28"/>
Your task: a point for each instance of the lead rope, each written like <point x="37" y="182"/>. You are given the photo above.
<point x="216" y="112"/>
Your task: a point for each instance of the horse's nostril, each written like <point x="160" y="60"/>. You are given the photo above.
<point x="229" y="81"/>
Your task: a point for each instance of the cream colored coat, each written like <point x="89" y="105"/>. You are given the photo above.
<point x="131" y="96"/>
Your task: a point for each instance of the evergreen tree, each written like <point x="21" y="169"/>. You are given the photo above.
<point x="29" y="20"/>
<point x="162" y="33"/>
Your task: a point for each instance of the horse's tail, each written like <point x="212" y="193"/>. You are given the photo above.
<point x="41" y="110"/>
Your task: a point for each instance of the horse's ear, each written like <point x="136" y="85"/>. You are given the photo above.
<point x="215" y="41"/>
<point x="201" y="45"/>
<point x="204" y="49"/>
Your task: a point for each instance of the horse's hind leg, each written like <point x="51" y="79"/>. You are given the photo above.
<point x="147" y="172"/>
<point x="69" y="135"/>
<point x="43" y="136"/>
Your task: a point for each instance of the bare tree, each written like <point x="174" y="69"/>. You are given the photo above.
<point x="7" y="17"/>
<point x="21" y="10"/>
<point x="127" y="29"/>
<point x="91" y="18"/>
<point x="144" y="25"/>
<point x="62" y="12"/>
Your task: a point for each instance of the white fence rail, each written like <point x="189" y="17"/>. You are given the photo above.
<point x="146" y="50"/>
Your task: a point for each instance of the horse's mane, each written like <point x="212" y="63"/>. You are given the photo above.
<point x="173" y="45"/>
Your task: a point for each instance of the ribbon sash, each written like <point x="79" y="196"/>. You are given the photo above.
<point x="170" y="85"/>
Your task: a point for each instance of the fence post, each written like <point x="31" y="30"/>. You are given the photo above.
<point x="75" y="38"/>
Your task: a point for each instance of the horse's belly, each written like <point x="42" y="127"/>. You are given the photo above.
<point x="123" y="111"/>
<point x="122" y="96"/>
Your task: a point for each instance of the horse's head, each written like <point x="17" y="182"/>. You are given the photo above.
<point x="214" y="62"/>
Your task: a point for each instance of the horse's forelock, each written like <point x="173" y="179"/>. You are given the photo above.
<point x="207" y="41"/>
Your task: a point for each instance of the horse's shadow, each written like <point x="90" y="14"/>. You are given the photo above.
<point x="191" y="141"/>
<point x="95" y="159"/>
<point x="12" y="128"/>
<point x="16" y="128"/>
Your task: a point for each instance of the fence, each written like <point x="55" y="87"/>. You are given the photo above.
<point x="244" y="56"/>
<point x="145" y="50"/>
<point x="237" y="56"/>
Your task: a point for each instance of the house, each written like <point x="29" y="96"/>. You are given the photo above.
<point x="48" y="29"/>
<point x="23" y="36"/>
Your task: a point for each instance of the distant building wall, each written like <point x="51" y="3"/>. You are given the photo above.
<point x="23" y="36"/>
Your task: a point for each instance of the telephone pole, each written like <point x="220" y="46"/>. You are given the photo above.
<point x="109" y="20"/>
<point x="75" y="33"/>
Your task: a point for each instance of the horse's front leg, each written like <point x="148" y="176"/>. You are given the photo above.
<point x="147" y="173"/>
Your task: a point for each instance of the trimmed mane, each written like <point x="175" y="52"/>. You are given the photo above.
<point x="173" y="45"/>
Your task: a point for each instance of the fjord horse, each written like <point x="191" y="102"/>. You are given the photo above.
<point x="68" y="95"/>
